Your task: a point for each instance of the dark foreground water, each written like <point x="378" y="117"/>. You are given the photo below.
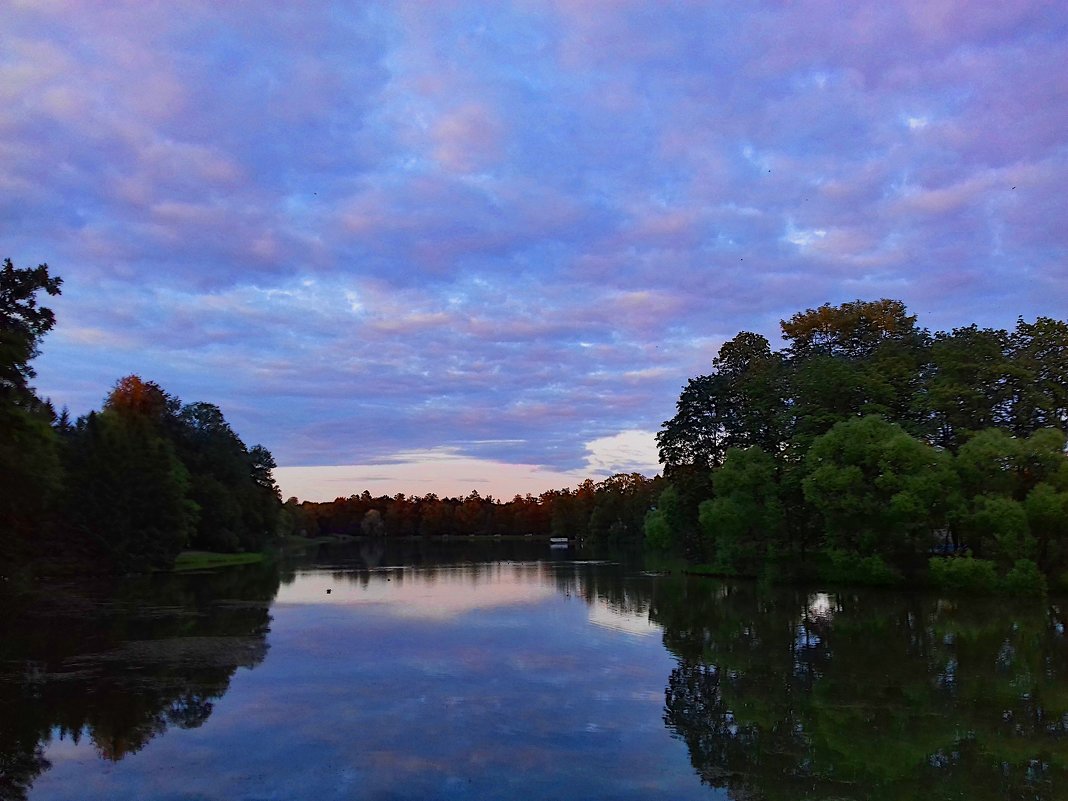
<point x="517" y="673"/>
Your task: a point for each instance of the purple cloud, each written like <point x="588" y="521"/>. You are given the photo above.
<point x="512" y="229"/>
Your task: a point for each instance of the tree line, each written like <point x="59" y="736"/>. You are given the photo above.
<point x="870" y="449"/>
<point x="120" y="489"/>
<point x="610" y="512"/>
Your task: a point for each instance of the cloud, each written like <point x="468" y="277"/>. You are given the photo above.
<point x="626" y="452"/>
<point x="449" y="471"/>
<point x="512" y="229"/>
<point x="445" y="472"/>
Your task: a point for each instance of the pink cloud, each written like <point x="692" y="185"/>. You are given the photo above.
<point x="402" y="225"/>
<point x="468" y="139"/>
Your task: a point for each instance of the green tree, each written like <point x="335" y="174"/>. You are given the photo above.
<point x="31" y="478"/>
<point x="1039" y="382"/>
<point x="856" y="359"/>
<point x="1047" y="519"/>
<point x="742" y="403"/>
<point x="218" y="465"/>
<point x="967" y="387"/>
<point x="696" y="437"/>
<point x="879" y="490"/>
<point x="620" y="504"/>
<point x="996" y="527"/>
<point x="987" y="464"/>
<point x="127" y="492"/>
<point x="754" y="393"/>
<point x="571" y="510"/>
<point x="745" y="522"/>
<point x="665" y="524"/>
<point x="30" y="469"/>
<point x="23" y="323"/>
<point x="263" y="501"/>
<point x="232" y="485"/>
<point x="998" y="475"/>
<point x="262" y="465"/>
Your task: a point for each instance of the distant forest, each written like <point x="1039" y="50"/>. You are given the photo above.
<point x="610" y="512"/>
<point x="123" y="489"/>
<point x="869" y="449"/>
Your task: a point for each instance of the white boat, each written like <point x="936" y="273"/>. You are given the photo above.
<point x="557" y="542"/>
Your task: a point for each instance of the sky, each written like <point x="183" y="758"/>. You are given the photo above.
<point x="454" y="246"/>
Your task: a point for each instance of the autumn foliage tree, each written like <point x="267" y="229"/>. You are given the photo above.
<point x="120" y="489"/>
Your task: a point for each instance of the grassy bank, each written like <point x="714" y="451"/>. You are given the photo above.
<point x="199" y="560"/>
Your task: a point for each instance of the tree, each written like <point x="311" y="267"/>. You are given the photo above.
<point x="824" y="390"/>
<point x="262" y="464"/>
<point x="879" y="490"/>
<point x="754" y="394"/>
<point x="31" y="477"/>
<point x="133" y="396"/>
<point x="741" y="403"/>
<point x="1007" y="484"/>
<point x="860" y="358"/>
<point x="967" y="389"/>
<point x="218" y="467"/>
<point x="1047" y="518"/>
<point x="853" y="330"/>
<point x="127" y="496"/>
<point x="993" y="462"/>
<point x="997" y="527"/>
<point x="372" y="524"/>
<point x="696" y="437"/>
<point x="240" y="505"/>
<point x="666" y="524"/>
<point x="23" y="323"/>
<point x="746" y="519"/>
<point x="1039" y="382"/>
<point x="30" y="470"/>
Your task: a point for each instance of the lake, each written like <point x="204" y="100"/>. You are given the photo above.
<point x="512" y="671"/>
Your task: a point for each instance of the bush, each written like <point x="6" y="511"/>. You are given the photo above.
<point x="1024" y="579"/>
<point x="850" y="568"/>
<point x="1060" y="582"/>
<point x="788" y="568"/>
<point x="963" y="574"/>
<point x="658" y="534"/>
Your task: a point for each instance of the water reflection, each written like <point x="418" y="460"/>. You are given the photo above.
<point x="439" y="592"/>
<point x="785" y="695"/>
<point x="118" y="664"/>
<point x="440" y="670"/>
<point x="627" y="620"/>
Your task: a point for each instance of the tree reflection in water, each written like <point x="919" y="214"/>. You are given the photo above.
<point x="777" y="693"/>
<point x="121" y="663"/>
<point x="789" y="694"/>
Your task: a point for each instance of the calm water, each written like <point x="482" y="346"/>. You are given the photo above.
<point x="513" y="673"/>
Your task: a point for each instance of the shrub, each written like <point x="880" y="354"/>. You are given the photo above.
<point x="1024" y="579"/>
<point x="963" y="573"/>
<point x="851" y="568"/>
<point x="658" y="534"/>
<point x="1060" y="582"/>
